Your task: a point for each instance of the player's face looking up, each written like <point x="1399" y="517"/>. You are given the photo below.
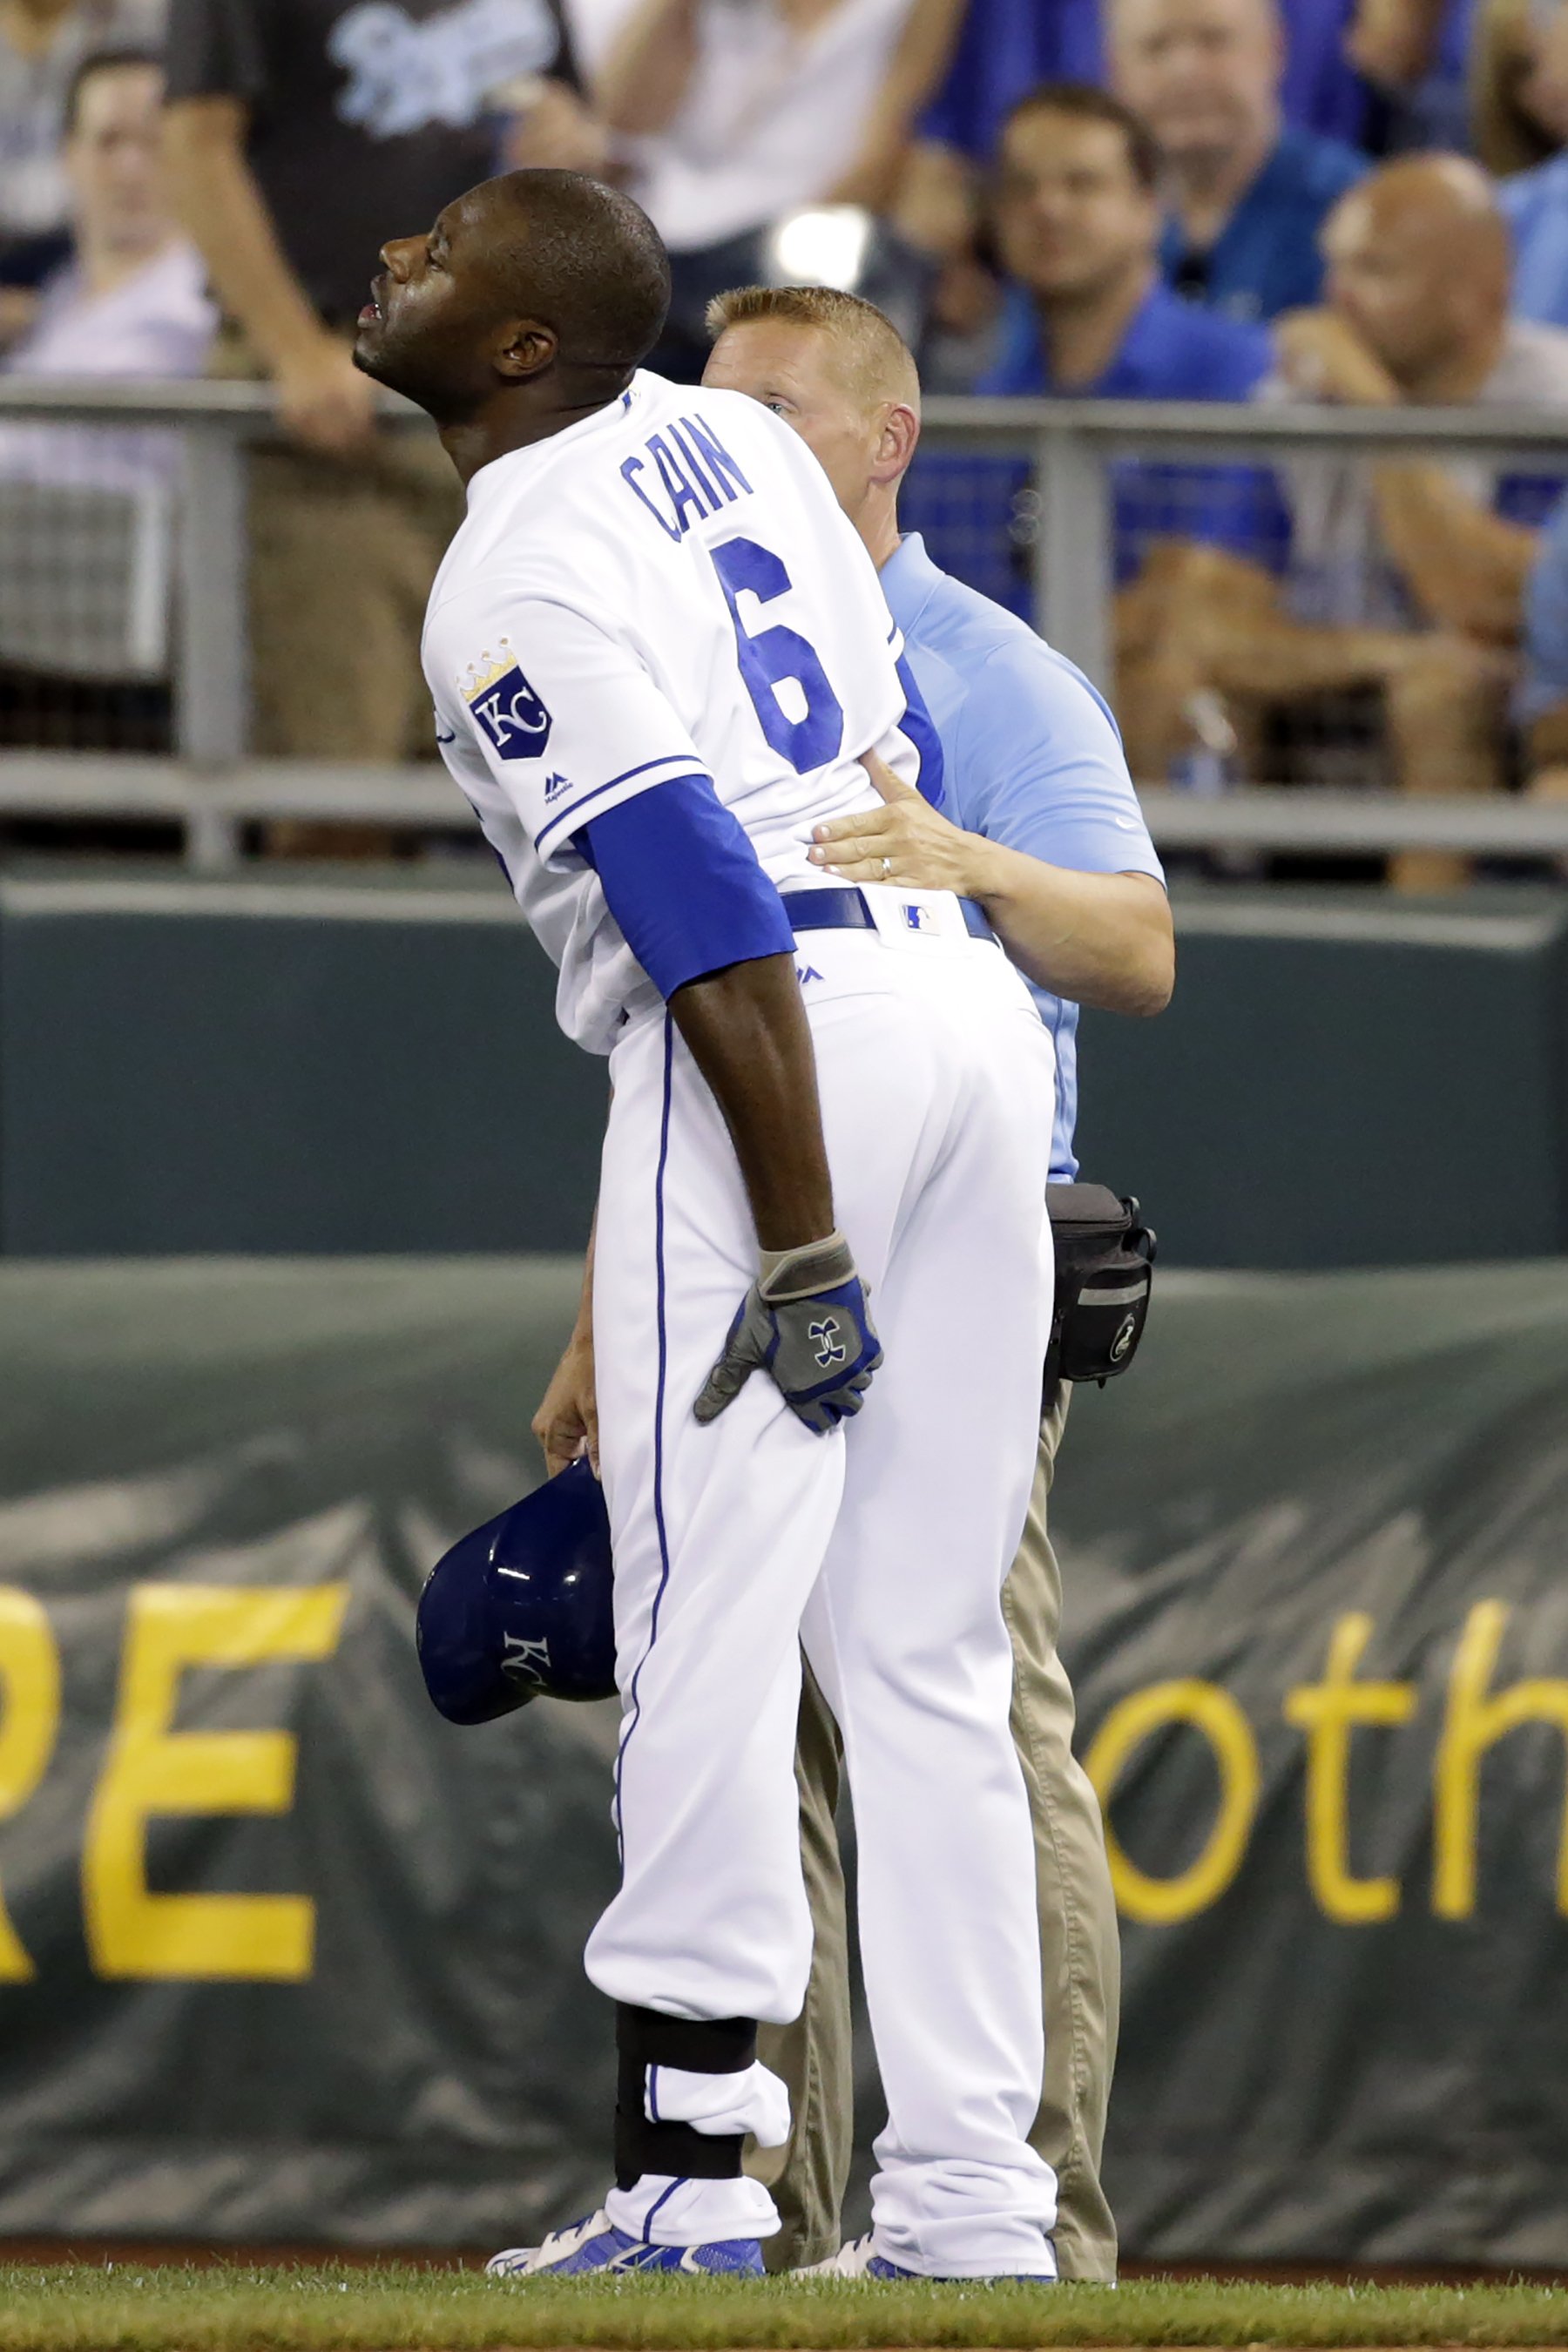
<point x="529" y="304"/>
<point x="795" y="370"/>
<point x="439" y="325"/>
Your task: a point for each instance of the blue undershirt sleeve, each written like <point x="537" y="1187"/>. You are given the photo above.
<point x="917" y="725"/>
<point x="682" y="880"/>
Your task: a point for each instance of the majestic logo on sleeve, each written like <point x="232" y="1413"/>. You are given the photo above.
<point x="505" y="706"/>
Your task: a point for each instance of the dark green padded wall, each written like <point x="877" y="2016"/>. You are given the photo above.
<point x="294" y="1066"/>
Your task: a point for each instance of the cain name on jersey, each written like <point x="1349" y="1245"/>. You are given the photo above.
<point x="666" y="589"/>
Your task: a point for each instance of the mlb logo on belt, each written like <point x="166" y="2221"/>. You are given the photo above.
<point x="921" y="919"/>
<point x="506" y="707"/>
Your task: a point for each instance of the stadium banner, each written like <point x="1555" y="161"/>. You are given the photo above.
<point x="284" y="1958"/>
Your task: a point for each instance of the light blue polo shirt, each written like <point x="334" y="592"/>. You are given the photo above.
<point x="1031" y="759"/>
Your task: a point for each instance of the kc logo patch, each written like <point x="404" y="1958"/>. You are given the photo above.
<point x="506" y="707"/>
<point x="830" y="1349"/>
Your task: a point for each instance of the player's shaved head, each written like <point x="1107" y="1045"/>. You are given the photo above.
<point x="1420" y="261"/>
<point x="531" y="276"/>
<point x="864" y="349"/>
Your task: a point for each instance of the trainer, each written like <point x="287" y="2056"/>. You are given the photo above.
<point x="1047" y="833"/>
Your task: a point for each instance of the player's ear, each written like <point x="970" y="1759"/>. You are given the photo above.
<point x="526" y="347"/>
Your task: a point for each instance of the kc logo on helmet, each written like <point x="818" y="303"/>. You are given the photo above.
<point x="506" y="707"/>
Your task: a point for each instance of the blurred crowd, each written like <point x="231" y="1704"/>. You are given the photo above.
<point x="1332" y="201"/>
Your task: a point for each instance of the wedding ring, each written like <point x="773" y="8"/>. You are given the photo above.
<point x="886" y="867"/>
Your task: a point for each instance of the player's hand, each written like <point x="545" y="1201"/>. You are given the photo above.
<point x="323" y="400"/>
<point x="904" y="841"/>
<point x="807" y="1324"/>
<point x="567" y="1421"/>
<point x="1320" y="355"/>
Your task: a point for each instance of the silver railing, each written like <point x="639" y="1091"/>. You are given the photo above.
<point x="213" y="788"/>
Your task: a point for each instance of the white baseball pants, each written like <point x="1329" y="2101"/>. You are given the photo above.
<point x="882" y="1548"/>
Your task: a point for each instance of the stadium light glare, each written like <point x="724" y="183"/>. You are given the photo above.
<point x="823" y="245"/>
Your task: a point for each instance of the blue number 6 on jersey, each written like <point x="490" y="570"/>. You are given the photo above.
<point x="779" y="657"/>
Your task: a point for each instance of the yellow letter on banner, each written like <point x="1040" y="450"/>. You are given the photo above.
<point x="30" y="1672"/>
<point x="1477" y="1721"/>
<point x="1327" y="1712"/>
<point x="1161" y="1902"/>
<point x="152" y="1769"/>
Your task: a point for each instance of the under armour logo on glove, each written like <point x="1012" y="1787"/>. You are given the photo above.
<point x="830" y="1349"/>
<point x="821" y="1363"/>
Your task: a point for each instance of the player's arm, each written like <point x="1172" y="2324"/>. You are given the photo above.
<point x="567" y="1421"/>
<point x="683" y="882"/>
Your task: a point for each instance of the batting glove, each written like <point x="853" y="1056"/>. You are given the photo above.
<point x="805" y="1321"/>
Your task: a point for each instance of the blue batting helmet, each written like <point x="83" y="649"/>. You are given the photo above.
<point x="521" y="1607"/>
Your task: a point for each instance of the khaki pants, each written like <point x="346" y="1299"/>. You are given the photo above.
<point x="1079" y="1949"/>
<point x="342" y="553"/>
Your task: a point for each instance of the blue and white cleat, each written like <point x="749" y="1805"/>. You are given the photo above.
<point x="596" y="2246"/>
<point x="859" y="2258"/>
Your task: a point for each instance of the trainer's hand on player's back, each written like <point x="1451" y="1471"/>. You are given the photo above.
<point x="323" y="400"/>
<point x="567" y="1421"/>
<point x="805" y="1321"/>
<point x="904" y="841"/>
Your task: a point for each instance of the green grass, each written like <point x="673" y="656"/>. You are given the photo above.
<point x="87" y="2308"/>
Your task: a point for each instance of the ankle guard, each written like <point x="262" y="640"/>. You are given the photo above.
<point x="644" y="2038"/>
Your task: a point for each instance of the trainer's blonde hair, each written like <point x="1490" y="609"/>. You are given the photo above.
<point x="873" y="362"/>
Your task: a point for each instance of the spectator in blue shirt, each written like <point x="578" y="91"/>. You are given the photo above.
<point x="1005" y="48"/>
<point x="1341" y="56"/>
<point x="1089" y="315"/>
<point x="1247" y="194"/>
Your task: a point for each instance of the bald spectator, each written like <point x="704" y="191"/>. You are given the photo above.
<point x="1408" y="576"/>
<point x="1246" y="194"/>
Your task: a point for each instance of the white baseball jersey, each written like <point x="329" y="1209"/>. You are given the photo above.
<point x="669" y="589"/>
<point x="666" y="589"/>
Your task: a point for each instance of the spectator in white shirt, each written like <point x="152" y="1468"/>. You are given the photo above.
<point x="734" y="112"/>
<point x="42" y="43"/>
<point x="131" y="300"/>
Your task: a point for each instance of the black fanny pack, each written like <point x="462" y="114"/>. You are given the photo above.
<point x="1105" y="1271"/>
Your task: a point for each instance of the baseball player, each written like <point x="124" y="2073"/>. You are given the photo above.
<point x="1041" y="822"/>
<point x="656" y="651"/>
